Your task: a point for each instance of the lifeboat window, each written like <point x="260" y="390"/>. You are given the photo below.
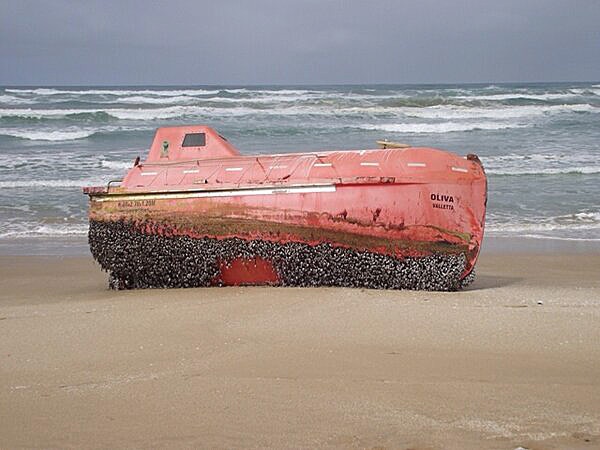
<point x="194" y="140"/>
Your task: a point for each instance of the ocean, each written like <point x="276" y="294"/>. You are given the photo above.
<point x="539" y="143"/>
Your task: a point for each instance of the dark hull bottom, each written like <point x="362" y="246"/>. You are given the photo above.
<point x="138" y="260"/>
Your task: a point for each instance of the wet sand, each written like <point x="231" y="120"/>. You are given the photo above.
<point x="82" y="366"/>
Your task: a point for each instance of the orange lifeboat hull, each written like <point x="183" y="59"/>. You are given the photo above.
<point x="199" y="215"/>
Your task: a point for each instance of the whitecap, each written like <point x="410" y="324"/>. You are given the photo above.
<point x="12" y="100"/>
<point x="24" y="184"/>
<point x="160" y="92"/>
<point x="584" y="170"/>
<point x="588" y="216"/>
<point x="584" y="225"/>
<point x="41" y="113"/>
<point x="38" y="91"/>
<point x="511" y="112"/>
<point x="31" y="230"/>
<point x="446" y="127"/>
<point x="517" y="95"/>
<point x="116" y="165"/>
<point x="56" y="135"/>
<point x="155" y="113"/>
<point x="540" y="227"/>
<point x="264" y="99"/>
<point x="169" y="112"/>
<point x="536" y="235"/>
<point x="541" y="164"/>
<point x="137" y="99"/>
<point x="67" y="134"/>
<point x="118" y="113"/>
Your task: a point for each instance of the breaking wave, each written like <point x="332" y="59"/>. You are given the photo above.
<point x="541" y="164"/>
<point x="12" y="100"/>
<point x="463" y="112"/>
<point x="137" y="99"/>
<point x="146" y="114"/>
<point x="541" y="227"/>
<point x="148" y="95"/>
<point x="446" y="127"/>
<point x="44" y="230"/>
<point x="116" y="165"/>
<point x="580" y="226"/>
<point x="256" y="107"/>
<point x="159" y="92"/>
<point x="61" y="135"/>
<point x="103" y="114"/>
<point x="33" y="135"/>
<point x="524" y="96"/>
<point x="549" y="171"/>
<point x="24" y="184"/>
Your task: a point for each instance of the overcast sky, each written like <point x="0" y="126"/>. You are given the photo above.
<point x="297" y="42"/>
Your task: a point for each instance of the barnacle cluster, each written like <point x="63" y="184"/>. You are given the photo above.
<point x="136" y="259"/>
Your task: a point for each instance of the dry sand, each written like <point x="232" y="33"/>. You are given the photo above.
<point x="82" y="366"/>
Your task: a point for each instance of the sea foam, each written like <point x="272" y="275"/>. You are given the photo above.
<point x="66" y="134"/>
<point x="445" y="127"/>
<point x="56" y="135"/>
<point x="28" y="230"/>
<point x="61" y="183"/>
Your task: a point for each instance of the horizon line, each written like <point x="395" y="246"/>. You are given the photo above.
<point x="4" y="86"/>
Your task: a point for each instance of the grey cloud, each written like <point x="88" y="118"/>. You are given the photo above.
<point x="326" y="41"/>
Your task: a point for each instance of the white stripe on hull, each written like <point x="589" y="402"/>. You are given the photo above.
<point x="217" y="193"/>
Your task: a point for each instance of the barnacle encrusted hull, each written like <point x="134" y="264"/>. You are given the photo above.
<point x="135" y="259"/>
<point x="198" y="213"/>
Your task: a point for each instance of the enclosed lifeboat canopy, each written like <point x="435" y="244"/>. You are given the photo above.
<point x="189" y="143"/>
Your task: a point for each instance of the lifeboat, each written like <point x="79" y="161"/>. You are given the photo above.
<point x="196" y="212"/>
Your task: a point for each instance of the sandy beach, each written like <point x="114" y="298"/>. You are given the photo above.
<point x="379" y="144"/>
<point x="512" y="361"/>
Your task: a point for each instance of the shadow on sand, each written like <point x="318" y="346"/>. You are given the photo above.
<point x="491" y="281"/>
